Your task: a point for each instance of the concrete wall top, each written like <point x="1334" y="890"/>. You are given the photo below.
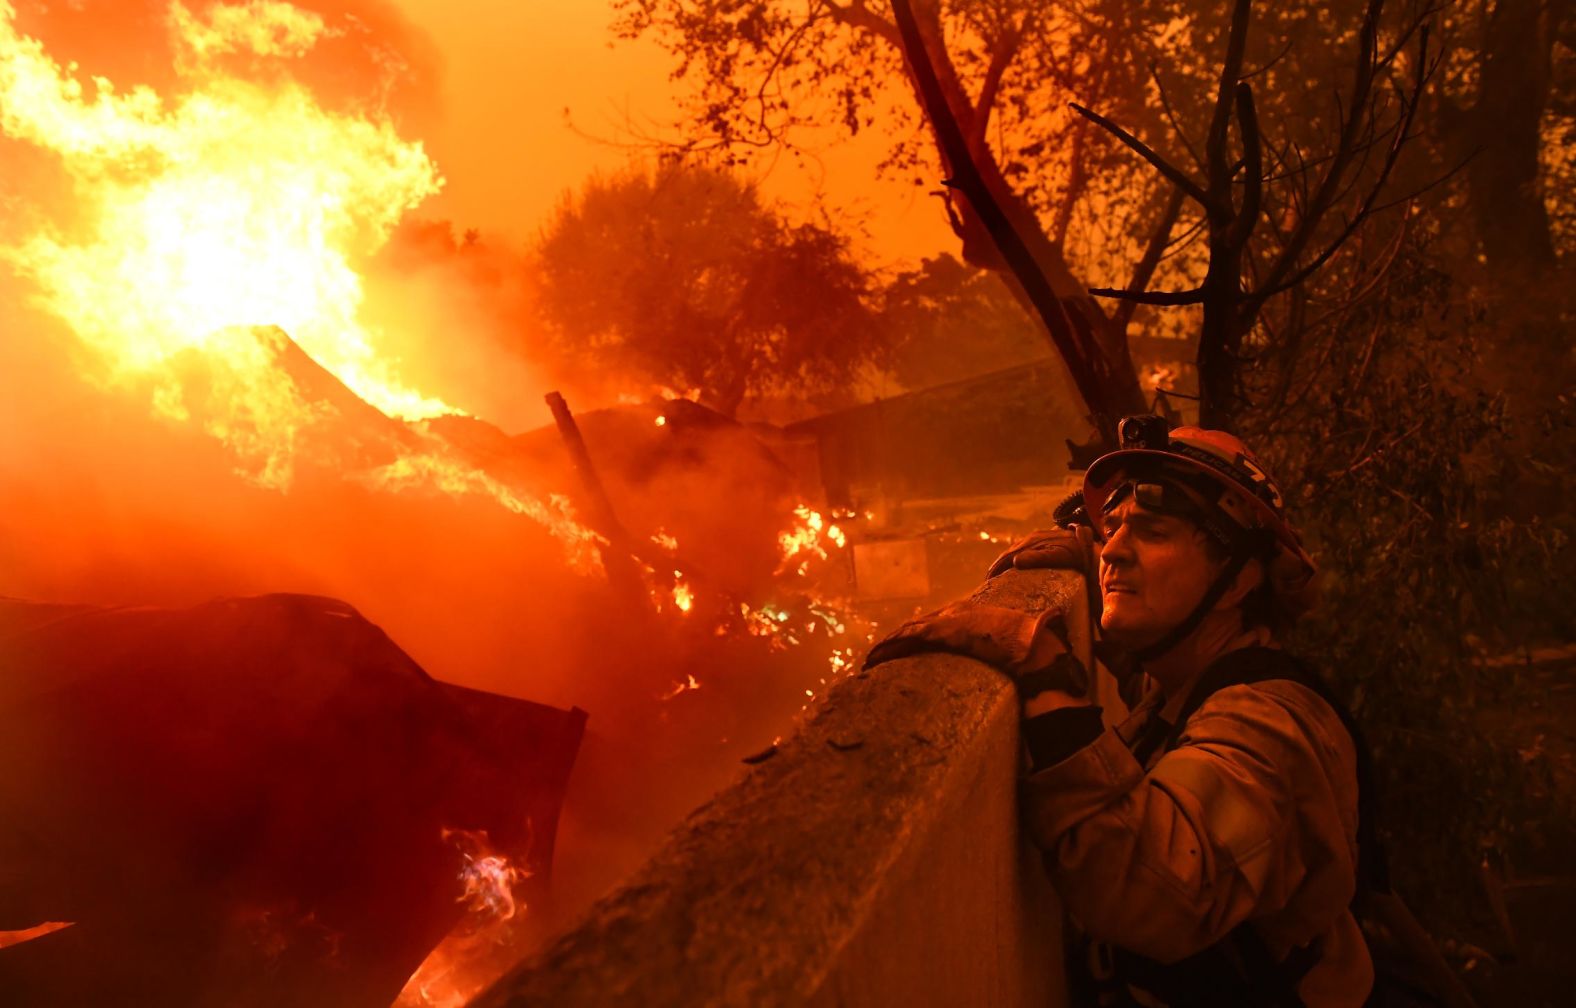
<point x="894" y="803"/>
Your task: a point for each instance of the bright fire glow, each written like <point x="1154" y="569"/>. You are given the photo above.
<point x="231" y="206"/>
<point x="442" y="473"/>
<point x="474" y="952"/>
<point x="689" y="683"/>
<point x="206" y="218"/>
<point x="489" y="885"/>
<point x="683" y="596"/>
<point x="807" y="539"/>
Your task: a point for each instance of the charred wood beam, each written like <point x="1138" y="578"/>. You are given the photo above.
<point x="617" y="555"/>
<point x="1175" y="175"/>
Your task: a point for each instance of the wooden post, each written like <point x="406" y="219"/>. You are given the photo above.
<point x="618" y="555"/>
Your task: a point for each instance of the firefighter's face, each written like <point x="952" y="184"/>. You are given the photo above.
<point x="1154" y="569"/>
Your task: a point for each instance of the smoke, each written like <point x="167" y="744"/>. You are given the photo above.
<point x="371" y="58"/>
<point x="458" y="310"/>
<point x="110" y="500"/>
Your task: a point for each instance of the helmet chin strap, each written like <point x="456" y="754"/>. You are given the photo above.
<point x="1177" y="634"/>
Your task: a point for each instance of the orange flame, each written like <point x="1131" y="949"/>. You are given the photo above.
<point x="232" y="206"/>
<point x="807" y="539"/>
<point x="476" y="951"/>
<point x="208" y="217"/>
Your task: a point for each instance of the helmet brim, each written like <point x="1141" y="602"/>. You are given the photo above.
<point x="1104" y="476"/>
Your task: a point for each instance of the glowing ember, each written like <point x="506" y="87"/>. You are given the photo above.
<point x="1158" y="376"/>
<point x="477" y="949"/>
<point x="9" y="938"/>
<point x="489" y="885"/>
<point x="689" y="683"/>
<point x="683" y="597"/>
<point x="806" y="539"/>
<point x="489" y="879"/>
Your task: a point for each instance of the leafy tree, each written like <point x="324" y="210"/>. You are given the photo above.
<point x="1004" y="74"/>
<point x="763" y="71"/>
<point x="1433" y="566"/>
<point x="684" y="277"/>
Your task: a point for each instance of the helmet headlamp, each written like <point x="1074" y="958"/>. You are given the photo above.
<point x="1151" y="432"/>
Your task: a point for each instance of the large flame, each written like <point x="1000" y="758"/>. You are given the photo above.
<point x="232" y="205"/>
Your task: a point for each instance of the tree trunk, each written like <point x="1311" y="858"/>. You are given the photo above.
<point x="1505" y="131"/>
<point x="1501" y="138"/>
<point x="1096" y="354"/>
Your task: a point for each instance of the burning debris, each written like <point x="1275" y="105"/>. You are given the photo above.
<point x="268" y="787"/>
<point x="490" y="879"/>
<point x="244" y="204"/>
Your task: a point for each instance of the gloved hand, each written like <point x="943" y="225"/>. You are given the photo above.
<point x="1031" y="648"/>
<point x="1061" y="548"/>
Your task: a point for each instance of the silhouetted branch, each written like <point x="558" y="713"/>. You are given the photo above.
<point x="1001" y="57"/>
<point x="1350" y="126"/>
<point x="1365" y="210"/>
<point x="1176" y="127"/>
<point x="1145" y="271"/>
<point x="1253" y="165"/>
<point x="1230" y="73"/>
<point x="1169" y="298"/>
<point x="1164" y="167"/>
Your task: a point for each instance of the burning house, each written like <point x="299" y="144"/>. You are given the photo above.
<point x="224" y="795"/>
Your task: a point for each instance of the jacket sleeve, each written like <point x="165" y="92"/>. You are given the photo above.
<point x="1221" y="829"/>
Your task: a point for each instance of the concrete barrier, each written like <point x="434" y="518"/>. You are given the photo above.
<point x="875" y="859"/>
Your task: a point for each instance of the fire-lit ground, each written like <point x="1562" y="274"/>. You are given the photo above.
<point x="196" y="406"/>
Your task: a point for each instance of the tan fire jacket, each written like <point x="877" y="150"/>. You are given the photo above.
<point x="1252" y="817"/>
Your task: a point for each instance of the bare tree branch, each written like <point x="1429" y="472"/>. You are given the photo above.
<point x="1350" y="126"/>
<point x="1176" y="127"/>
<point x="1215" y="157"/>
<point x="1253" y="168"/>
<point x="1145" y="271"/>
<point x="1175" y="175"/>
<point x="1169" y="298"/>
<point x="1001" y="57"/>
<point x="1402" y="133"/>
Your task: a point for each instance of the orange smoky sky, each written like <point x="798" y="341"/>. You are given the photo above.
<point x="534" y="96"/>
<point x="517" y="102"/>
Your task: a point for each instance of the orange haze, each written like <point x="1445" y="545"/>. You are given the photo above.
<point x="236" y="361"/>
<point x="510" y="72"/>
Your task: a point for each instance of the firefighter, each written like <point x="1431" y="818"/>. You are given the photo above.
<point x="1207" y="846"/>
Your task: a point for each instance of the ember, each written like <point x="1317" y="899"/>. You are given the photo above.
<point x="489" y="878"/>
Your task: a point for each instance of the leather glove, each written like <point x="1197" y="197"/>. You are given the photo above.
<point x="1062" y="549"/>
<point x="1031" y="648"/>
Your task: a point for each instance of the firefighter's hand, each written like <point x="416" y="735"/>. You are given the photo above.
<point x="1062" y="549"/>
<point x="1031" y="648"/>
